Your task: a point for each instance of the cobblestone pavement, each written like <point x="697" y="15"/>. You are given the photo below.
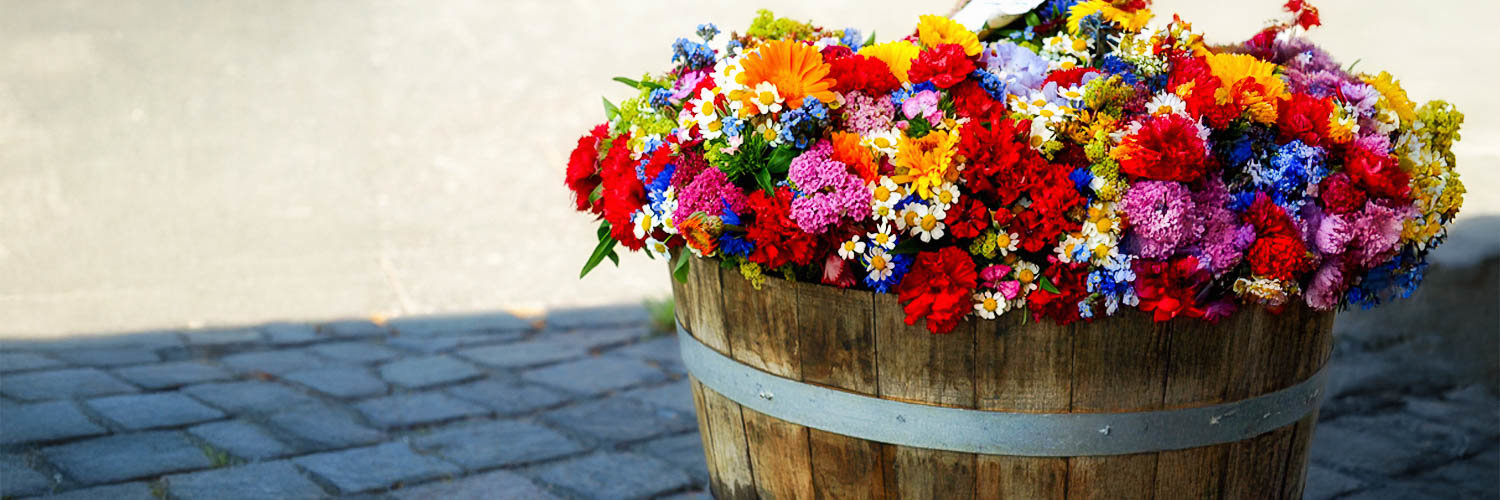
<point x="585" y="403"/>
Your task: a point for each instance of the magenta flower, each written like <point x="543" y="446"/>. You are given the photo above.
<point x="829" y="192"/>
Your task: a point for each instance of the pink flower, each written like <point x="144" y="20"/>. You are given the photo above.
<point x="1160" y="215"/>
<point x="829" y="191"/>
<point x="1225" y="238"/>
<point x="868" y="115"/>
<point x="707" y="193"/>
<point x="1328" y="285"/>
<point x="923" y="104"/>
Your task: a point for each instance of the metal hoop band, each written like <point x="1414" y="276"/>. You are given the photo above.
<point x="990" y="432"/>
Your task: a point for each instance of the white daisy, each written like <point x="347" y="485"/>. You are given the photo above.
<point x="657" y="247"/>
<point x="879" y="264"/>
<point x="885" y="141"/>
<point x="1166" y="103"/>
<point x="923" y="221"/>
<point x="945" y="196"/>
<point x="882" y="236"/>
<point x="766" y="98"/>
<point x="989" y="305"/>
<point x="852" y="248"/>
<point x="1006" y="243"/>
<point x="644" y="220"/>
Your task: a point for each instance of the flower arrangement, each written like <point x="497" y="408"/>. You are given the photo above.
<point x="1073" y="166"/>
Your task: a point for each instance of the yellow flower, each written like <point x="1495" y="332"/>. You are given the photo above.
<point x="1231" y="68"/>
<point x="1395" y="96"/>
<point x="937" y="30"/>
<point x="896" y="55"/>
<point x="1127" y="20"/>
<point x="926" y="163"/>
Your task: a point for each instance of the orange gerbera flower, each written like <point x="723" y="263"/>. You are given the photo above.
<point x="796" y="69"/>
<point x="847" y="150"/>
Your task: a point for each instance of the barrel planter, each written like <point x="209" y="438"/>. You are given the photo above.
<point x="810" y="391"/>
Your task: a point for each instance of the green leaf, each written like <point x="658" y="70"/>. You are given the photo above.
<point x="680" y="268"/>
<point x="628" y="81"/>
<point x="870" y="41"/>
<point x="763" y="179"/>
<point x="605" y="248"/>
<point x="613" y="257"/>
<point x="1047" y="285"/>
<point x="610" y="111"/>
<point x="596" y="194"/>
<point x="603" y="230"/>
<point x="1032" y="19"/>
<point x="781" y="159"/>
<point x="907" y="247"/>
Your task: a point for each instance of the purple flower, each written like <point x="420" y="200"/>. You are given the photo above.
<point x="829" y="192"/>
<point x="1160" y="214"/>
<point x="868" y="115"/>
<point x="709" y="193"/>
<point x="923" y="104"/>
<point x="1018" y="66"/>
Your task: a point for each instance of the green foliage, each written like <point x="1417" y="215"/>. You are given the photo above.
<point x="755" y="160"/>
<point x="768" y="26"/>
<point x="663" y="313"/>
<point x="604" y="250"/>
<point x="680" y="267"/>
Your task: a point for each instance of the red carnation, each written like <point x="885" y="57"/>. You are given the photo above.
<point x="1171" y="289"/>
<point x="583" y="169"/>
<point x="1305" y="118"/>
<point x="778" y="240"/>
<point x="944" y="66"/>
<point x="1278" y="251"/>
<point x="623" y="193"/>
<point x="1165" y="148"/>
<point x="971" y="101"/>
<point x="968" y="218"/>
<point x="940" y="288"/>
<point x="1062" y="306"/>
<point x="1339" y="195"/>
<point x="862" y="73"/>
<point x="998" y="156"/>
<point x="1046" y="219"/>
<point x="1378" y="173"/>
<point x="1069" y="77"/>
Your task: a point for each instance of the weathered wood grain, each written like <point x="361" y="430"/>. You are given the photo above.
<point x="1027" y="367"/>
<point x="837" y="338"/>
<point x="1197" y="374"/>
<point x="1118" y="366"/>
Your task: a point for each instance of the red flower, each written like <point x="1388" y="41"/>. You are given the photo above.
<point x="1278" y="251"/>
<point x="1378" y="173"/>
<point x="998" y="157"/>
<point x="1062" y="306"/>
<point x="583" y="169"/>
<point x="836" y="272"/>
<point x="1171" y="289"/>
<point x="940" y="287"/>
<point x="1192" y="78"/>
<point x="1305" y="118"/>
<point x="968" y="218"/>
<point x="971" y="101"/>
<point x="1069" y="77"/>
<point x="1165" y="148"/>
<point x="944" y="66"/>
<point x="1339" y="195"/>
<point x="1040" y="225"/>
<point x="862" y="73"/>
<point x="623" y="193"/>
<point x="778" y="240"/>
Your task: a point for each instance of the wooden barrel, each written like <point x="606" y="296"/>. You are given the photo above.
<point x="856" y="341"/>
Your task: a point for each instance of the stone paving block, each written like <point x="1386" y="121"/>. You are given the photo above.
<point x="614" y="475"/>
<point x="600" y="339"/>
<point x="153" y="411"/>
<point x="433" y="326"/>
<point x="1477" y="477"/>
<point x="143" y="340"/>
<point x="263" y="481"/>
<point x="521" y="354"/>
<point x="248" y="396"/>
<point x="17" y="478"/>
<point x="596" y="375"/>
<point x="40" y="422"/>
<point x="568" y="318"/>
<point x="407" y="410"/>
<point x="683" y="450"/>
<point x="1408" y="490"/>
<point x="241" y="439"/>
<point x="105" y="357"/>
<point x="1480" y="421"/>
<point x="620" y="419"/>
<point x="374" y="468"/>
<point x="428" y="371"/>
<point x="222" y="337"/>
<point x="339" y="382"/>
<point x="127" y="491"/>
<point x="433" y="345"/>
<point x="691" y="495"/>
<point x="353" y="329"/>
<point x="273" y="362"/>
<point x="495" y="444"/>
<point x="497" y="485"/>
<point x="127" y="456"/>
<point x="509" y="397"/>
<point x="354" y="352"/>
<point x="289" y="334"/>
<point x="1386" y="445"/>
<point x="173" y="374"/>
<point x="20" y="361"/>
<point x="663" y="351"/>
<point x="674" y="396"/>
<point x="1324" y="483"/>
<point x="61" y="384"/>
<point x="317" y="427"/>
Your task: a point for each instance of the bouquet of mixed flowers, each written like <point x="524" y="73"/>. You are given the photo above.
<point x="1076" y="164"/>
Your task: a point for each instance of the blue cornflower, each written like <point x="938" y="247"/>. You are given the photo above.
<point x="656" y="190"/>
<point x="900" y="263"/>
<point x="852" y="38"/>
<point x="1112" y="64"/>
<point x="899" y="96"/>
<point x="707" y="31"/>
<point x="733" y="243"/>
<point x="991" y="83"/>
<point x="660" y="98"/>
<point x="692" y="54"/>
<point x="799" y="126"/>
<point x="1081" y="178"/>
<point x="1115" y="281"/>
